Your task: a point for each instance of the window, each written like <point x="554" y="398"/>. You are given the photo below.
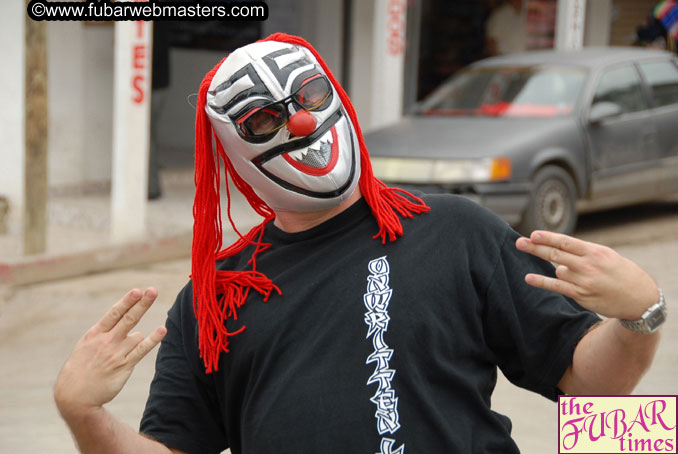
<point x="662" y="77"/>
<point x="621" y="86"/>
<point x="509" y="91"/>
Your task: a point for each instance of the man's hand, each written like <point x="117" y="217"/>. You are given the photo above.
<point x="595" y="276"/>
<point x="103" y="359"/>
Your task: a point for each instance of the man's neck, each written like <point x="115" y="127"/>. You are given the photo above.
<point x="298" y="221"/>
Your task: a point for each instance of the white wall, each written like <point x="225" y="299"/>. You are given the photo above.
<point x="176" y="125"/>
<point x="98" y="104"/>
<point x="80" y="99"/>
<point x="12" y="13"/>
<point x="598" y="23"/>
<point x="360" y="69"/>
<point x="66" y="79"/>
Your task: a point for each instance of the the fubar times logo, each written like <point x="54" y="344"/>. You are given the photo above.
<point x="617" y="424"/>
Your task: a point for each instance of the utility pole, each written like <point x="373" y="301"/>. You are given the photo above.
<point x="35" y="180"/>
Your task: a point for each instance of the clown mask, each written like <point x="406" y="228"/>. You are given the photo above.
<point x="284" y="128"/>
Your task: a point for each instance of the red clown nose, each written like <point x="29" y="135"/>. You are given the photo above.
<point x="301" y="124"/>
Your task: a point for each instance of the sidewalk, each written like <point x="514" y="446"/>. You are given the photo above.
<point x="78" y="236"/>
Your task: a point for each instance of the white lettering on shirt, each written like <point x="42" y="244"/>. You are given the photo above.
<point x="376" y="301"/>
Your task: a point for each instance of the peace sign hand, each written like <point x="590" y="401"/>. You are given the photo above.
<point x="595" y="276"/>
<point x="103" y="359"/>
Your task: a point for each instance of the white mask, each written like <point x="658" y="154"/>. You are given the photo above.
<point x="313" y="169"/>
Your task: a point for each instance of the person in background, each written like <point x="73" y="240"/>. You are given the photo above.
<point x="661" y="29"/>
<point x="506" y="28"/>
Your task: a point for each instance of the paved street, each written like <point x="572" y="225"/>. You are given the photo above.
<point x="39" y="325"/>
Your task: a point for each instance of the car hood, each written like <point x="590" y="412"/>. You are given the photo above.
<point x="465" y="137"/>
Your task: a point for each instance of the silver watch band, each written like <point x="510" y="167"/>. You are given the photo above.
<point x="651" y="319"/>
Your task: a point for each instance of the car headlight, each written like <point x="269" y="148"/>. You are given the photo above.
<point x="441" y="171"/>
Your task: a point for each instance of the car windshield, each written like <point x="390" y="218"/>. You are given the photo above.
<point x="516" y="91"/>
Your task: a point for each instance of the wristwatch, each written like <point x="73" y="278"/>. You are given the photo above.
<point x="651" y="319"/>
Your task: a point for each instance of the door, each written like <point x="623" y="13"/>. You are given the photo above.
<point x="661" y="77"/>
<point x="623" y="146"/>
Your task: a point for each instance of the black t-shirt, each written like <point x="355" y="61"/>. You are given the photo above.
<point x="371" y="347"/>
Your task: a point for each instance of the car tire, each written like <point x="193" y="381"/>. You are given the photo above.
<point x="552" y="204"/>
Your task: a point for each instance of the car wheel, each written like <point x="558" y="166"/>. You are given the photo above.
<point x="552" y="203"/>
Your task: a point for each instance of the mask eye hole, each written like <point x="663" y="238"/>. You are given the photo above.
<point x="313" y="94"/>
<point x="262" y="121"/>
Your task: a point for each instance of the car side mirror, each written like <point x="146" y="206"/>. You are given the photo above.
<point x="602" y="111"/>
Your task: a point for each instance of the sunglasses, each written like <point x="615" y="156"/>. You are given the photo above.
<point x="259" y="123"/>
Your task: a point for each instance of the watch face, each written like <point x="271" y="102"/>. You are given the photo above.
<point x="656" y="319"/>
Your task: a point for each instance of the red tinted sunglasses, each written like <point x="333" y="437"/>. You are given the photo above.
<point x="261" y="122"/>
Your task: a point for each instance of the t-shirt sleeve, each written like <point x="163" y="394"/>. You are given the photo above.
<point x="532" y="332"/>
<point x="182" y="410"/>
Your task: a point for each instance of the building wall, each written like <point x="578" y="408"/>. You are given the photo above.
<point x="12" y="110"/>
<point x="80" y="101"/>
<point x="66" y="94"/>
<point x="598" y="22"/>
<point x="98" y="104"/>
<point x="359" y="80"/>
<point x="176" y="122"/>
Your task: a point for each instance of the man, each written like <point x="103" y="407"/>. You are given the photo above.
<point x="661" y="28"/>
<point x="313" y="334"/>
<point x="506" y="29"/>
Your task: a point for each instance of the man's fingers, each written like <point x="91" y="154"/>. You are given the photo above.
<point x="549" y="253"/>
<point x="560" y="241"/>
<point x="585" y="283"/>
<point x="145" y="346"/>
<point x="130" y="342"/>
<point x="130" y="318"/>
<point x="556" y="285"/>
<point x="118" y="310"/>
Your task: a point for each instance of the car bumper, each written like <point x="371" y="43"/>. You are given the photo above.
<point x="507" y="200"/>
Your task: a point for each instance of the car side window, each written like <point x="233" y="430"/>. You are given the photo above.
<point x="662" y="77"/>
<point x="622" y="87"/>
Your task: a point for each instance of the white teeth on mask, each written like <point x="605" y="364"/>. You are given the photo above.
<point x="318" y="158"/>
<point x="316" y="155"/>
<point x="298" y="154"/>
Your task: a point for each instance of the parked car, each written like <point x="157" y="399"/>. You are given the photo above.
<point x="541" y="136"/>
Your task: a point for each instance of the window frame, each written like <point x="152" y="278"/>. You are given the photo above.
<point x="641" y="82"/>
<point x="647" y="88"/>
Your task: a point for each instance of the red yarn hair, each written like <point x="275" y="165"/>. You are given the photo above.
<point x="218" y="294"/>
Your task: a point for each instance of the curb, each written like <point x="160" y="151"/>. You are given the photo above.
<point x="41" y="268"/>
